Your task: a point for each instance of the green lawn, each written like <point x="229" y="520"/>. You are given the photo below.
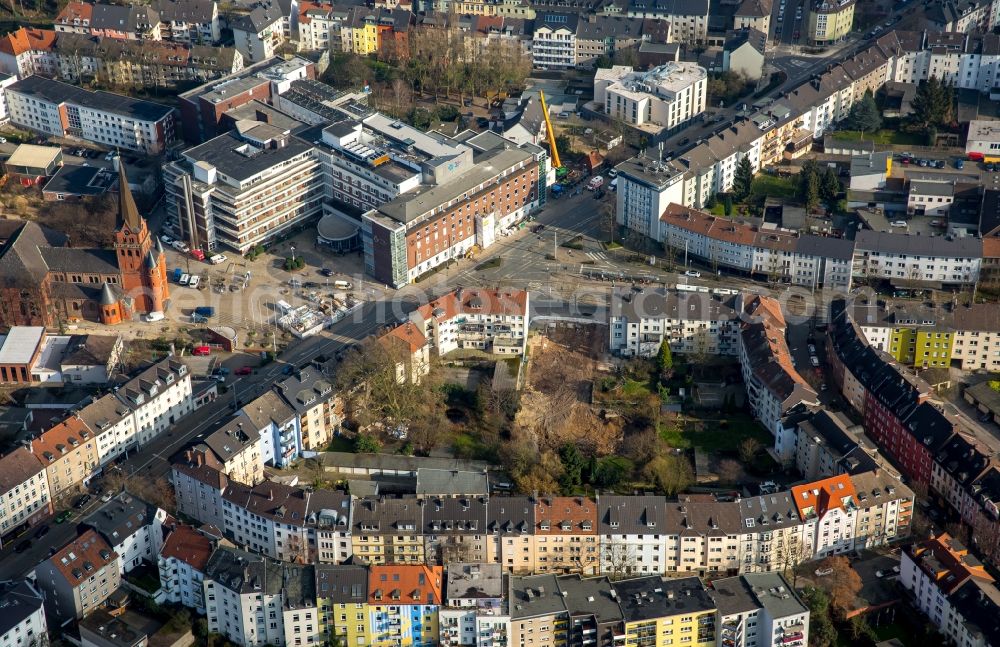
<point x="718" y="210"/>
<point x="340" y="444"/>
<point x="772" y="186"/>
<point x="723" y="435"/>
<point x="884" y="137"/>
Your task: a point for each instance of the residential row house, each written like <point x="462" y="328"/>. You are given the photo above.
<point x="77" y="448"/>
<point x="614" y="535"/>
<point x="953" y="589"/>
<point x="78" y="578"/>
<point x="25" y="500"/>
<point x="253" y="600"/>
<point x="76" y="57"/>
<point x="773" y="383"/>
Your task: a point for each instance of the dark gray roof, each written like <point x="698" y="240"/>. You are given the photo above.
<point x="646" y="598"/>
<point x="58" y="92"/>
<point x="590" y="596"/>
<point x="533" y="596"/>
<point x="73" y="179"/>
<point x="21" y="261"/>
<point x="244" y="572"/>
<point x="69" y="259"/>
<point x="224" y="153"/>
<point x="260" y="18"/>
<point x="298" y="583"/>
<point x="473" y="581"/>
<point x="305" y="389"/>
<point x="386" y="515"/>
<point x="660" y="303"/>
<point x="447" y="482"/>
<point x="511" y="515"/>
<point x="732" y="595"/>
<point x="464" y="515"/>
<point x="841" y="249"/>
<point x="19" y="601"/>
<point x="232" y="437"/>
<point x="342" y="584"/>
<point x="124" y="18"/>
<point x="267" y="408"/>
<point x="631" y="515"/>
<point x="120" y="518"/>
<point x="935" y="246"/>
<point x="774" y="593"/>
<point x="104" y="412"/>
<point x="16" y="467"/>
<point x="191" y="11"/>
<point x="89" y="349"/>
<point x="600" y="27"/>
<point x="397" y="462"/>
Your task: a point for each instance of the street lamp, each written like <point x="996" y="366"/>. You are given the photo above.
<point x="293" y="253"/>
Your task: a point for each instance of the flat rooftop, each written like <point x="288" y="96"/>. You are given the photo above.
<point x="32" y="156"/>
<point x="58" y="92"/>
<point x="19" y="345"/>
<point x="73" y="179"/>
<point x="241" y="160"/>
<point x="670" y="78"/>
<point x="985" y="130"/>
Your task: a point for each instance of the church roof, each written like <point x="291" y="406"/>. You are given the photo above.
<point x="128" y="213"/>
<point x="108" y="297"/>
<point x="150" y="260"/>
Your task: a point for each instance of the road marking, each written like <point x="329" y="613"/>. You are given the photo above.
<point x="597" y="256"/>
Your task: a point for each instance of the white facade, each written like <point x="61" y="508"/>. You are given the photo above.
<point x="250" y="619"/>
<point x="901" y="256"/>
<point x="553" y="47"/>
<point x="24" y="615"/>
<point x="258" y="43"/>
<point x="158" y="398"/>
<point x="645" y="188"/>
<point x="25" y="496"/>
<point x="668" y="96"/>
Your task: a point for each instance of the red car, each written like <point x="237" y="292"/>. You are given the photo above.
<point x="202" y="350"/>
<point x="244" y="370"/>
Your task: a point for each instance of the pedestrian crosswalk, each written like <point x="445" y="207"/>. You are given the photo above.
<point x="597" y="256"/>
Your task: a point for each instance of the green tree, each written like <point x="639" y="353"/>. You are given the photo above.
<point x="742" y="179"/>
<point x="610" y="471"/>
<point x="366" y="444"/>
<point x="665" y="360"/>
<point x="727" y="204"/>
<point x="829" y="186"/>
<point x="822" y="633"/>
<point x="420" y="118"/>
<point x="573" y="463"/>
<point x="865" y="115"/>
<point x="809" y="185"/>
<point x="933" y="105"/>
<point x="671" y="473"/>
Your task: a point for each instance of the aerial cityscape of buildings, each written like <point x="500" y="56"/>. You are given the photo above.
<point x="506" y="323"/>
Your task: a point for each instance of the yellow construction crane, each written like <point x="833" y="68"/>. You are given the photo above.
<point x="553" y="151"/>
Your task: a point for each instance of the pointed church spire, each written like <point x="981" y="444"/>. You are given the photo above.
<point x="128" y="213"/>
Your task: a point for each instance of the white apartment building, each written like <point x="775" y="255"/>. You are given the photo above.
<point x="933" y="261"/>
<point x="189" y="21"/>
<point x="181" y="563"/>
<point x="25" y="499"/>
<point x="829" y="510"/>
<point x="759" y="610"/>
<point x="23" y="623"/>
<point x="158" y="398"/>
<point x="316" y="25"/>
<point x="132" y="527"/>
<point x="646" y="186"/>
<point x="774" y="386"/>
<point x="198" y="490"/>
<point x="112" y="120"/>
<point x="243" y="600"/>
<point x="113" y="423"/>
<point x="668" y="96"/>
<point x="260" y="33"/>
<point x="690" y="322"/>
<point x="688" y="18"/>
<point x="629" y="528"/>
<point x="243" y="188"/>
<point x="494" y="321"/>
<point x="953" y="589"/>
<point x="300" y="611"/>
<point x="553" y="43"/>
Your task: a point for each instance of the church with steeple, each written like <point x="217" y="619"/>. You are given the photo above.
<point x="44" y="281"/>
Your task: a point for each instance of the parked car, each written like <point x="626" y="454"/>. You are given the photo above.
<point x="823" y="572"/>
<point x="180" y="246"/>
<point x="82" y="501"/>
<point x="185" y="279"/>
<point x="960" y="164"/>
<point x="166" y="240"/>
<point x="939" y="164"/>
<point x="195" y="280"/>
<point x="922" y="162"/>
<point x="42" y="531"/>
<point x="814" y="361"/>
<point x="24" y="545"/>
<point x="244" y="370"/>
<point x="326" y="271"/>
<point x="153" y="317"/>
<point x="201" y="351"/>
<point x="693" y="273"/>
<point x="63" y="516"/>
<point x="218" y="259"/>
<point x="107" y="496"/>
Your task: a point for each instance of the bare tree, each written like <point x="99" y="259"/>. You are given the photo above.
<point x="617" y="559"/>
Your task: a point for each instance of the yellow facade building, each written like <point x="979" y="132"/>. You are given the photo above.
<point x="830" y="21"/>
<point x="342" y="599"/>
<point x="661" y="612"/>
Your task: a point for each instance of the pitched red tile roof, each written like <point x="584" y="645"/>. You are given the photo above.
<point x="25" y="39"/>
<point x="823" y="496"/>
<point x="80" y="559"/>
<point x="405" y="584"/>
<point x="76" y="13"/>
<point x="186" y="544"/>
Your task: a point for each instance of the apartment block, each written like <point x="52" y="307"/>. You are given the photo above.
<point x="830" y="21"/>
<point x="132" y="528"/>
<point x="494" y="321"/>
<point x="24" y="618"/>
<point x="62" y="110"/>
<point x="403" y="603"/>
<point x="689" y="322"/>
<point x="277" y="425"/>
<point x="688" y="18"/>
<point x="243" y="598"/>
<point x="760" y="610"/>
<point x="953" y="589"/>
<point x="342" y="598"/>
<point x="661" y="612"/>
<point x="78" y="578"/>
<point x="244" y="188"/>
<point x="182" y="563"/>
<point x="318" y="410"/>
<point x="774" y="386"/>
<point x="260" y="33"/>
<point x="473" y="610"/>
<point x="24" y="492"/>
<point x="384" y="530"/>
<point x="68" y="451"/>
<point x="667" y="97"/>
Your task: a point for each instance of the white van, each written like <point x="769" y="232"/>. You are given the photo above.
<point x="153" y="317"/>
<point x="195" y="280"/>
<point x="185" y="279"/>
<point x="343" y="285"/>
